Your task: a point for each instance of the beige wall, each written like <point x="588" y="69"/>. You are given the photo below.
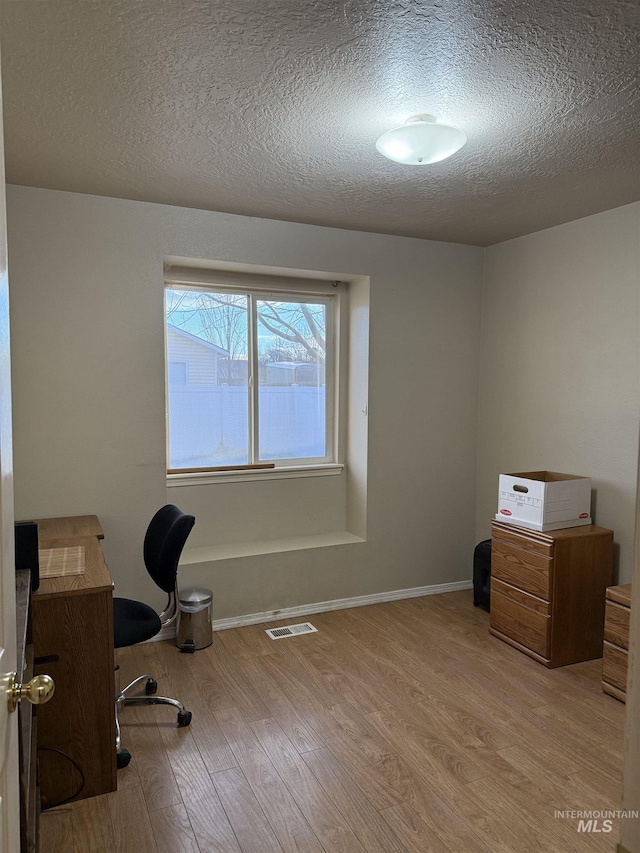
<point x="86" y="278"/>
<point x="560" y="365"/>
<point x="559" y="386"/>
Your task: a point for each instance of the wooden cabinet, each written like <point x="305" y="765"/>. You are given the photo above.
<point x="548" y="590"/>
<point x="73" y="643"/>
<point x="616" y="641"/>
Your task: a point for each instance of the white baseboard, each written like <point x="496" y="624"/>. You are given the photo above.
<point x="323" y="606"/>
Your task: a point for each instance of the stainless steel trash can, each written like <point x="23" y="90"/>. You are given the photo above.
<point x="194" y="627"/>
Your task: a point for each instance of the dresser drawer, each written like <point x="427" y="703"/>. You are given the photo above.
<point x="616" y="624"/>
<point x="520" y="597"/>
<point x="520" y="623"/>
<point x="614" y="666"/>
<point x="620" y="594"/>
<point x="530" y="540"/>
<point x="523" y="569"/>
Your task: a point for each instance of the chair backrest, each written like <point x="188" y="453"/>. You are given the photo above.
<point x="166" y="535"/>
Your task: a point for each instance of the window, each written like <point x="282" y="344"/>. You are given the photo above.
<point x="177" y="372"/>
<point x="261" y="368"/>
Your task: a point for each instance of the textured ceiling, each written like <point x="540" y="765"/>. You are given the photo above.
<point x="271" y="108"/>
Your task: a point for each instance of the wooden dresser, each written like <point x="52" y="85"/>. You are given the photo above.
<point x="616" y="641"/>
<point x="548" y="590"/>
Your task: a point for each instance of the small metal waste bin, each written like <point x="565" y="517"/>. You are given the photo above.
<point x="194" y="628"/>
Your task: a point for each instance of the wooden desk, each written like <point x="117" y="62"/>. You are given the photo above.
<point x="73" y="643"/>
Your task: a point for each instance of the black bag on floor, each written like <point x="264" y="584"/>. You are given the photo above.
<point x="482" y="574"/>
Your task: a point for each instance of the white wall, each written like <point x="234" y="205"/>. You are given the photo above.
<point x="86" y="278"/>
<point x="560" y="366"/>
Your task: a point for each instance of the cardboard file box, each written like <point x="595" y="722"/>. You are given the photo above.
<point x="544" y="500"/>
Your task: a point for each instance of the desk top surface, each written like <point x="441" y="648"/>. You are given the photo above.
<point x="67" y="527"/>
<point x="66" y="532"/>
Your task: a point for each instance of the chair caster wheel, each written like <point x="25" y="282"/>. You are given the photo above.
<point x="151" y="686"/>
<point x="123" y="758"/>
<point x="184" y="719"/>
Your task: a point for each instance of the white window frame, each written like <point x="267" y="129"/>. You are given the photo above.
<point x="321" y="292"/>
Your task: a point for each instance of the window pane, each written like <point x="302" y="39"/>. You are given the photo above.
<point x="209" y="413"/>
<point x="177" y="373"/>
<point x="292" y="342"/>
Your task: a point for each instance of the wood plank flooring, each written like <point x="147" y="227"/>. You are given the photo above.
<point x="397" y="727"/>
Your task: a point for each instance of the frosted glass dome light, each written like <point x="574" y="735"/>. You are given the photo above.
<point x="420" y="140"/>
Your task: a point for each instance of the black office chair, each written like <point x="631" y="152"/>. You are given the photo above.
<point x="135" y="622"/>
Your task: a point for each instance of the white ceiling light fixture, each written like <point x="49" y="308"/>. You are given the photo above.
<point x="421" y="140"/>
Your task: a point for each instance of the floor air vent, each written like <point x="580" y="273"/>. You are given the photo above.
<point x="291" y="630"/>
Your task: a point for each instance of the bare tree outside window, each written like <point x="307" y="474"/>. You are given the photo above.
<point x="220" y="318"/>
<point x="299" y="328"/>
<point x="296" y="329"/>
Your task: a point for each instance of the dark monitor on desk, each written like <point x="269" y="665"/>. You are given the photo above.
<point x="27" y="550"/>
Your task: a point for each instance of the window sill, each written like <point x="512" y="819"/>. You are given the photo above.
<point x="211" y="554"/>
<point x="243" y="476"/>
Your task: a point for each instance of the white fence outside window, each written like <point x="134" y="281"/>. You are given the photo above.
<point x="208" y="424"/>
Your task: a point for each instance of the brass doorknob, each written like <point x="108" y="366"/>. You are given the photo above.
<point x="38" y="691"/>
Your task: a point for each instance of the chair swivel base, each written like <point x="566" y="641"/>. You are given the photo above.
<point x="123" y="756"/>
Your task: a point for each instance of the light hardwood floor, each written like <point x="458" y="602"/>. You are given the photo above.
<point x="397" y="727"/>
